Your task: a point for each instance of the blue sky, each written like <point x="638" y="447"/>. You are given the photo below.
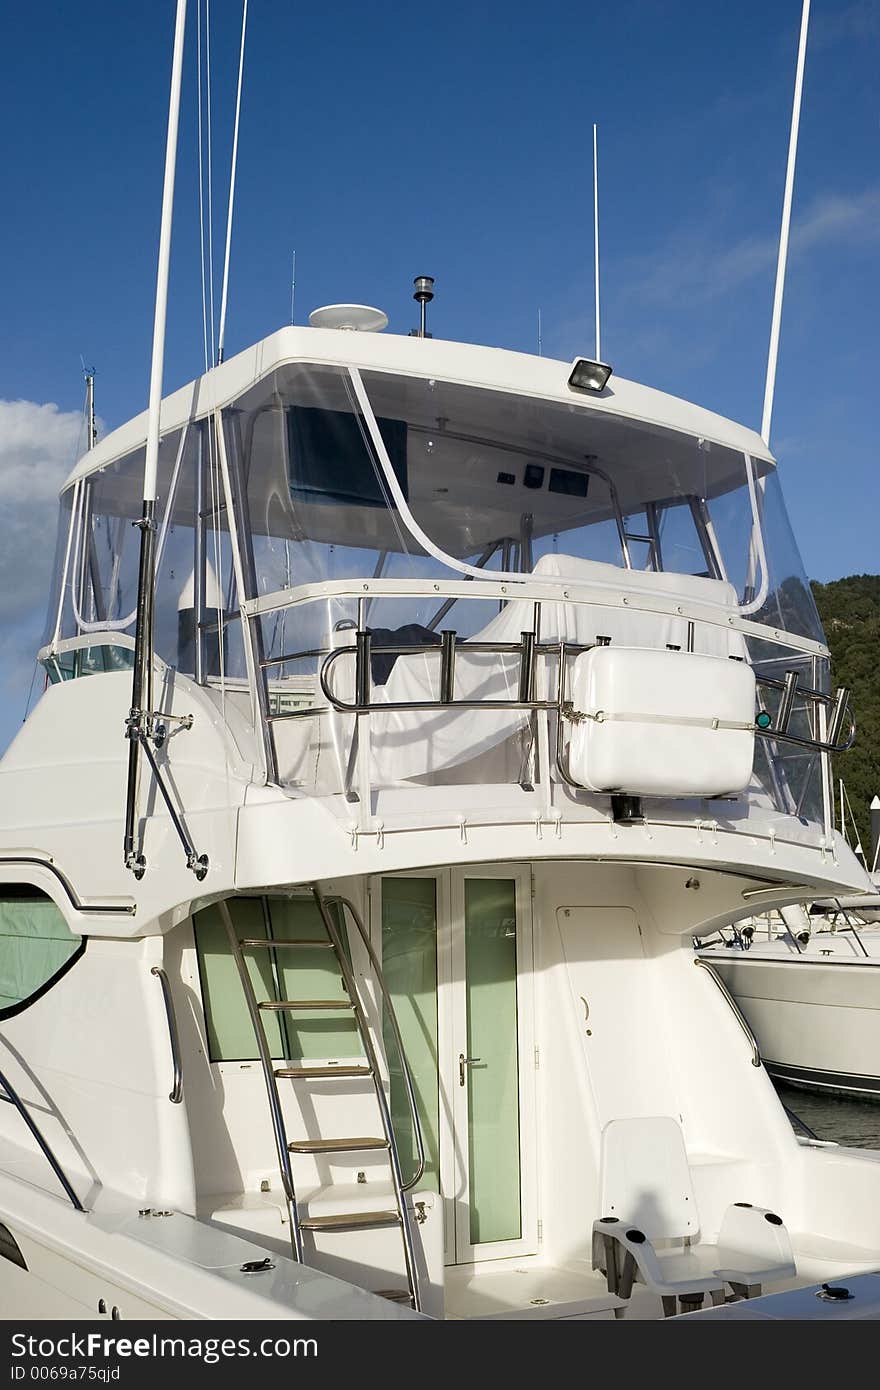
<point x="390" y="140"/>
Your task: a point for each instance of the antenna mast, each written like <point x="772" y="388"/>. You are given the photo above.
<point x="222" y="334"/>
<point x="596" y="237"/>
<point x="91" y="426"/>
<point x="142" y="682"/>
<point x="770" y="382"/>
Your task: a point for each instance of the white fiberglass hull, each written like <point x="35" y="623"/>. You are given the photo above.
<point x="119" y="1263"/>
<point x="816" y="1015"/>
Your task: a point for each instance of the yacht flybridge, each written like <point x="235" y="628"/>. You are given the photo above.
<point x="475" y="695"/>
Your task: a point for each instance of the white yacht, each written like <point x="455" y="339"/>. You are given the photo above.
<point x="358" y="980"/>
<point x="809" y="985"/>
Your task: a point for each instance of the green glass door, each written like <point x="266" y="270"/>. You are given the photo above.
<point x="493" y="1073"/>
<point x="489" y="1071"/>
<point x="456" y="953"/>
<point x="409" y="964"/>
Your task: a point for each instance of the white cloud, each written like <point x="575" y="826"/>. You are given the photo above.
<point x="859" y="21"/>
<point x="856" y="216"/>
<point x="38" y="447"/>
<point x="683" y="280"/>
<point x="695" y="267"/>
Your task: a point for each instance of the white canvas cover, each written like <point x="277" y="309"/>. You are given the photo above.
<point x="413" y="744"/>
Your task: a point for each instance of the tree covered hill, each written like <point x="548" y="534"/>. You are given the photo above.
<point x="850" y="612"/>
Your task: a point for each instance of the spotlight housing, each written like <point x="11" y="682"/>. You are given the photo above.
<point x="587" y="375"/>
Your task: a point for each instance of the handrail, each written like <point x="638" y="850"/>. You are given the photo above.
<point x="851" y="926"/>
<point x="526" y="651"/>
<point x="279" y="1131"/>
<point x="589" y="593"/>
<point x="395" y="1028"/>
<point x="175" y="1095"/>
<point x="13" y="1098"/>
<point x="334" y="933"/>
<point x="737" y="1012"/>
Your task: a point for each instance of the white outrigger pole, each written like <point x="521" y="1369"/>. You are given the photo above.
<point x="137" y="724"/>
<point x="221" y="337"/>
<point x="596" y="237"/>
<point x="770" y="382"/>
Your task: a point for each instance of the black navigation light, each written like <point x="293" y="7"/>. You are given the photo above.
<point x="587" y="375"/>
<point x="424" y="293"/>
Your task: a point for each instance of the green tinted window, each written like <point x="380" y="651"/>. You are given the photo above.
<point x="493" y="1089"/>
<point x="35" y="943"/>
<point x="409" y="964"/>
<point x="299" y="972"/>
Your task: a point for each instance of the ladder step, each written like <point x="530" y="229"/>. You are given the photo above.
<point x="354" y="1220"/>
<point x="394" y="1295"/>
<point x="306" y="1004"/>
<point x="303" y="1073"/>
<point x="330" y="1146"/>
<point x="288" y="941"/>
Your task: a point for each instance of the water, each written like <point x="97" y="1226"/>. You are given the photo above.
<point x="852" y="1122"/>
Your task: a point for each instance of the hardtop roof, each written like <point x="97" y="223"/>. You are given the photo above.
<point x="468" y="364"/>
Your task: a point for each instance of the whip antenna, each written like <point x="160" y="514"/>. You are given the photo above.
<point x="596" y="238"/>
<point x="222" y="333"/>
<point x="770" y="381"/>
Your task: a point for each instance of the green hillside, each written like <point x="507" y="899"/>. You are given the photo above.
<point x="850" y="612"/>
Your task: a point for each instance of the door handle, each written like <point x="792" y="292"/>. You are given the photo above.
<point x="465" y="1062"/>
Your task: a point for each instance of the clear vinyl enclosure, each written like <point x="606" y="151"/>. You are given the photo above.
<point x="327" y="500"/>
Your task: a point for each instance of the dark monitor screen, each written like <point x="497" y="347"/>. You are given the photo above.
<point x="569" y="483"/>
<point x="330" y="462"/>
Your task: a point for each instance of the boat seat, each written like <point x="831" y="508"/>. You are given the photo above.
<point x="650" y="1232"/>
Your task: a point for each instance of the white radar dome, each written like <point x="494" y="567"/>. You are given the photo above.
<point x="358" y="318"/>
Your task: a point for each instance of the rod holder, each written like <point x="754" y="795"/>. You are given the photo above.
<point x="363" y="641"/>
<point x="786" y="703"/>
<point x="527" y="668"/>
<point x="838" y="714"/>
<point x="447" y="666"/>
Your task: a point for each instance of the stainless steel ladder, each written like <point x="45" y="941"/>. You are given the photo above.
<point x="272" y="1073"/>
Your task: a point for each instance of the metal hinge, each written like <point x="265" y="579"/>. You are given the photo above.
<point x="537" y="1058"/>
<point x="540" y="1231"/>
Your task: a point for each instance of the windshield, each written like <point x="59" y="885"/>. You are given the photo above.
<point x="338" y="477"/>
<point x="543" y="478"/>
<point x="491" y="480"/>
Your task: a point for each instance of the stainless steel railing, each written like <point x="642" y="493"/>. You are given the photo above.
<point x="13" y="1098"/>
<point x="734" y="1008"/>
<point x="798" y="726"/>
<point x="527" y="652"/>
<point x="175" y="1095"/>
<point x="391" y="1015"/>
